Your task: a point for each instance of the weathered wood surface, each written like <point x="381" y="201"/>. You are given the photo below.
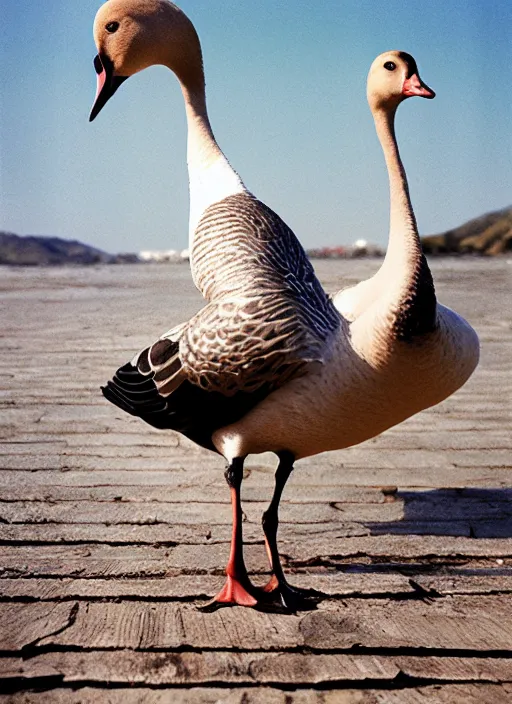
<point x="430" y="694"/>
<point x="111" y="533"/>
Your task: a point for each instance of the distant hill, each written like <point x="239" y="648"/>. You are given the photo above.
<point x="489" y="234"/>
<point x="52" y="251"/>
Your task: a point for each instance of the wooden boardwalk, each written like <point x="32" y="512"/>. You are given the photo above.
<point x="111" y="533"/>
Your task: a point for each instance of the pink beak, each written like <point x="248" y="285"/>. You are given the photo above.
<point x="415" y="86"/>
<point x="106" y="85"/>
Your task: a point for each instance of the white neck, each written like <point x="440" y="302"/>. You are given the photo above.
<point x="211" y="177"/>
<point x="404" y="248"/>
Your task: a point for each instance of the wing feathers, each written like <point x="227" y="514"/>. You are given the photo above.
<point x="267" y="321"/>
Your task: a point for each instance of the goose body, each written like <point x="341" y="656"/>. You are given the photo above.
<point x="272" y="363"/>
<point x="361" y="390"/>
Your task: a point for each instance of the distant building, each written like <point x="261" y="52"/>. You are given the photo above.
<point x="165" y="255"/>
<point x="360" y="248"/>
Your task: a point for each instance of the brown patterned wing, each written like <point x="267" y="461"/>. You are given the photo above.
<point x="246" y="343"/>
<point x="195" y="394"/>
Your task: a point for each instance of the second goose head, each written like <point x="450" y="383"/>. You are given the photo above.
<point x="393" y="77"/>
<point x="132" y="35"/>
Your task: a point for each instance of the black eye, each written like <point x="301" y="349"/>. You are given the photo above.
<point x="390" y="66"/>
<point x="112" y="27"/>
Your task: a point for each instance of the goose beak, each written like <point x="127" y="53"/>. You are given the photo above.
<point x="415" y="86"/>
<point x="107" y="83"/>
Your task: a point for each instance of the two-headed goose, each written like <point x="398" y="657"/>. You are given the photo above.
<point x="269" y="364"/>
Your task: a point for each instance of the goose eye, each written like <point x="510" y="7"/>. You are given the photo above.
<point x="112" y="27"/>
<point x="390" y="66"/>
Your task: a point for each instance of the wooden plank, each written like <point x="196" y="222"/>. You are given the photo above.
<point x="210" y="667"/>
<point x="128" y="560"/>
<point x="148" y="439"/>
<point x="492" y="529"/>
<point x="202" y="586"/>
<point x="463" y="440"/>
<point x="345" y="541"/>
<point x="404" y="510"/>
<point x="138" y="625"/>
<point x="123" y="562"/>
<point x="354" y="457"/>
<point x="187" y="586"/>
<point x="482" y="528"/>
<point x="52" y="446"/>
<point x="454" y="669"/>
<point x="460" y="623"/>
<point x="185" y="470"/>
<point x="295" y="668"/>
<point x="438" y="694"/>
<point x="152" y="441"/>
<point x="118" y="478"/>
<point x="21" y="627"/>
<point x="392" y="449"/>
<point x="399" y="546"/>
<point x="184" y="493"/>
<point x="199" y="533"/>
<point x="366" y="475"/>
<point x="329" y="546"/>
<point x="477" y="504"/>
<point x="478" y="582"/>
<point x="201" y="668"/>
<point x="426" y="459"/>
<point x="189" y="513"/>
<point x="423" y="505"/>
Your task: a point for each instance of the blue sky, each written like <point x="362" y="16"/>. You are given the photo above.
<point x="286" y="96"/>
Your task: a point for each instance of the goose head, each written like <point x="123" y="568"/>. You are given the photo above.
<point x="393" y="77"/>
<point x="132" y="35"/>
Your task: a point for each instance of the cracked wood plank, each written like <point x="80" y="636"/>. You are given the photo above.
<point x="163" y="534"/>
<point x="340" y="541"/>
<point x="154" y="441"/>
<point x="190" y="513"/>
<point x="329" y="472"/>
<point x="21" y="628"/>
<point x="193" y="586"/>
<point x="95" y="560"/>
<point x="459" y="623"/>
<point x="438" y="694"/>
<point x="121" y="562"/>
<point x="356" y="457"/>
<point x="198" y="587"/>
<point x="189" y="668"/>
<point x="186" y="492"/>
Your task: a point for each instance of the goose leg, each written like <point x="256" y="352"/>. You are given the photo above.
<point x="291" y="598"/>
<point x="238" y="588"/>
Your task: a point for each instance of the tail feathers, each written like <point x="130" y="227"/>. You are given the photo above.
<point x="153" y="388"/>
<point x="137" y="394"/>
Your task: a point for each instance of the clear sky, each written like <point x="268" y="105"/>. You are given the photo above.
<point x="286" y="96"/>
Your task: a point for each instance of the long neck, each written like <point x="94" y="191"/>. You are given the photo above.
<point x="211" y="177"/>
<point x="405" y="270"/>
<point x="404" y="248"/>
<point x="202" y="149"/>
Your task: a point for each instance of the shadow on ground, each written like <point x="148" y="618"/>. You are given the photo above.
<point x="475" y="513"/>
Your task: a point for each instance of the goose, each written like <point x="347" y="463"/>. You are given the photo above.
<point x="272" y="363"/>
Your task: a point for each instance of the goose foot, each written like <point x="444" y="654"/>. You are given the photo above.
<point x="237" y="592"/>
<point x="292" y="599"/>
<point x="234" y="592"/>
